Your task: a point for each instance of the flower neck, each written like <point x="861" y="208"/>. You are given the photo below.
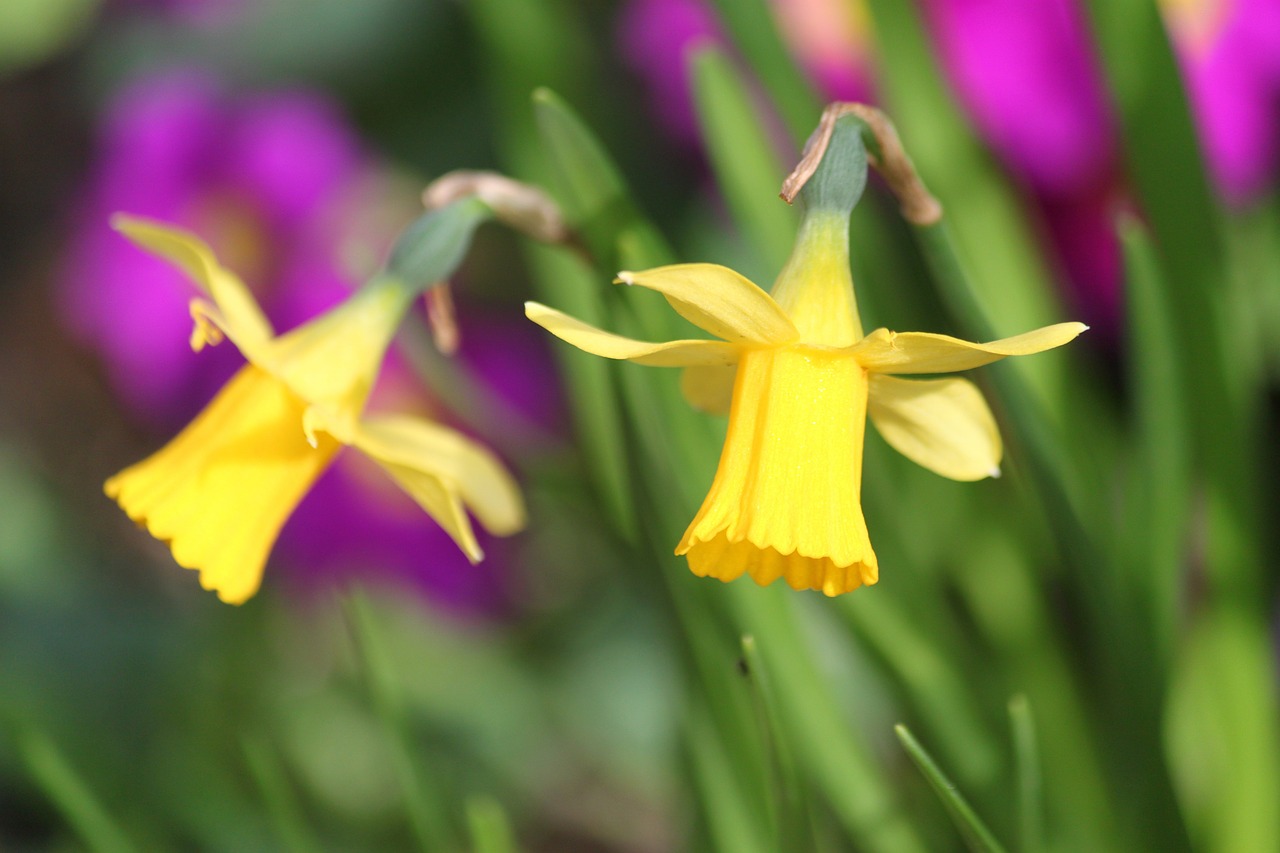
<point x="335" y="358"/>
<point x="815" y="287"/>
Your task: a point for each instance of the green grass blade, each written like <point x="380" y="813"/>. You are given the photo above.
<point x="1163" y="158"/>
<point x="789" y="798"/>
<point x="932" y="684"/>
<point x="489" y="827"/>
<point x="972" y="829"/>
<point x="1160" y="499"/>
<point x="1026" y="757"/>
<point x="273" y="785"/>
<point x="593" y="192"/>
<point x="69" y="792"/>
<point x="571" y="286"/>
<point x="423" y="804"/>
<point x="734" y="824"/>
<point x="753" y="29"/>
<point x="746" y="165"/>
<point x="841" y="765"/>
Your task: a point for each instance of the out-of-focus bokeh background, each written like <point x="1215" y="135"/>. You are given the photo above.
<point x="1087" y="646"/>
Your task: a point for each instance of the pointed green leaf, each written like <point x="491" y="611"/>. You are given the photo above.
<point x="273" y="785"/>
<point x="972" y="829"/>
<point x="68" y="791"/>
<point x="590" y="187"/>
<point x="422" y="800"/>
<point x="490" y="829"/>
<point x="1160" y="496"/>
<point x="746" y="165"/>
<point x="934" y="688"/>
<point x="1163" y="159"/>
<point x="831" y="752"/>
<point x="733" y="821"/>
<point x="789" y="800"/>
<point x="1026" y="757"/>
<point x="755" y="32"/>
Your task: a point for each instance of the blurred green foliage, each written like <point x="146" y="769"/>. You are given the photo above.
<point x="1085" y="647"/>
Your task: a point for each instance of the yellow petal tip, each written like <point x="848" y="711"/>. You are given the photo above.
<point x="123" y="221"/>
<point x="625" y="277"/>
<point x="994" y="473"/>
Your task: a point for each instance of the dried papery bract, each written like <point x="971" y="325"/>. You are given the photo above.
<point x="522" y="206"/>
<point x="885" y="152"/>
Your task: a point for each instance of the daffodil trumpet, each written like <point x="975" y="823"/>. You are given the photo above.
<point x="798" y="379"/>
<point x="220" y="491"/>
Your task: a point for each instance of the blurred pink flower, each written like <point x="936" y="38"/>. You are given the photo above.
<point x="1230" y="56"/>
<point x="831" y="40"/>
<point x="827" y="37"/>
<point x="277" y="182"/>
<point x="655" y="38"/>
<point x="1027" y="76"/>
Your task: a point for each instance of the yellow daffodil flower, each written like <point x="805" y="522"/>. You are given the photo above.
<point x="219" y="493"/>
<point x="799" y="379"/>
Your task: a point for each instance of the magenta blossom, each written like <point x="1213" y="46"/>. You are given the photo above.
<point x="1027" y="76"/>
<point x="1230" y="56"/>
<point x="827" y="37"/>
<point x="655" y="38"/>
<point x="831" y="41"/>
<point x="275" y="182"/>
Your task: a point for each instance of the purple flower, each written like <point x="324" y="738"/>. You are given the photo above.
<point x="828" y="38"/>
<point x="263" y="178"/>
<point x="275" y="182"/>
<point x="655" y="38"/>
<point x="1230" y="56"/>
<point x="1026" y="74"/>
<point x="831" y="40"/>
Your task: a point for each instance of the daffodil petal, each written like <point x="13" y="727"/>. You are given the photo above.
<point x="335" y="358"/>
<point x="941" y="424"/>
<point x="687" y="353"/>
<point x="719" y="300"/>
<point x="785" y="501"/>
<point x="883" y="351"/>
<point x="443" y="469"/>
<point x="219" y="493"/>
<point x="440" y="500"/>
<point x="709" y="389"/>
<point x="241" y="318"/>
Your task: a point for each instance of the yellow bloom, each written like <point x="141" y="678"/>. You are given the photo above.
<point x="219" y="493"/>
<point x="799" y="379"/>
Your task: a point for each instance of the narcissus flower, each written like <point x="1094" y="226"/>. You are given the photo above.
<point x="219" y="493"/>
<point x="799" y="378"/>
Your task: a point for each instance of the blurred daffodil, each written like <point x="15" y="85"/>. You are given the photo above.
<point x="798" y="379"/>
<point x="220" y="492"/>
